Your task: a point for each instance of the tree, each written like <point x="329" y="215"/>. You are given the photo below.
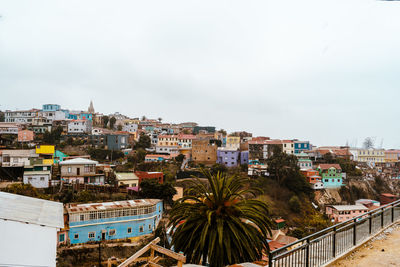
<point x="106" y="119"/>
<point x="160" y="119"/>
<point x="283" y="168"/>
<point x="144" y="118"/>
<point x="150" y="188"/>
<point x="1" y="116"/>
<point x="217" y="223"/>
<point x="112" y="122"/>
<point x="368" y="143"/>
<point x="53" y="137"/>
<point x="144" y="141"/>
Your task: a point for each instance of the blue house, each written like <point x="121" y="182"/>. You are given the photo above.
<point x="51" y="107"/>
<point x="301" y="146"/>
<point x="113" y="220"/>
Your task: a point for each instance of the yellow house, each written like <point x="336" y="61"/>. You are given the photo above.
<point x="46" y="152"/>
<point x="233" y="142"/>
<point x="392" y="156"/>
<point x="371" y="155"/>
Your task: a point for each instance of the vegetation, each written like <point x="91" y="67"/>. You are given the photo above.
<point x="113" y="120"/>
<point x="104" y="154"/>
<point x="284" y="170"/>
<point x="53" y="137"/>
<point x="219" y="224"/>
<point x="106" y="119"/>
<point x="144" y="141"/>
<point x="150" y="188"/>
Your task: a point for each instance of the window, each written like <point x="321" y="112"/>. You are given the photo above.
<point x="92" y="234"/>
<point x="41" y="178"/>
<point x="129" y="230"/>
<point x="141" y="229"/>
<point x="61" y="238"/>
<point x="149" y="226"/>
<point x="69" y="169"/>
<point x="82" y="217"/>
<point x="326" y="180"/>
<point x="76" y="236"/>
<point x="111" y="232"/>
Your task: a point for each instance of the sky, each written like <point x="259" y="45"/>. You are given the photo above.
<point x="324" y="71"/>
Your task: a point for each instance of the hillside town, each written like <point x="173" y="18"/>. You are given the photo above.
<point x="112" y="179"/>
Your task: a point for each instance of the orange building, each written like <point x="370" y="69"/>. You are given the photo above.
<point x="25" y="136"/>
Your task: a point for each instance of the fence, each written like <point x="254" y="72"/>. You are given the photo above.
<point x="323" y="247"/>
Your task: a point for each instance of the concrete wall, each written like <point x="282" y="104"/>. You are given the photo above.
<point x="37" y="181"/>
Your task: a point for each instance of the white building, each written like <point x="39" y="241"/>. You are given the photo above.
<point x="16" y="158"/>
<point x="52" y="115"/>
<point x="28" y="230"/>
<point x="131" y="128"/>
<point x="9" y="128"/>
<point x="38" y="179"/>
<point x="80" y="127"/>
<point x="20" y="116"/>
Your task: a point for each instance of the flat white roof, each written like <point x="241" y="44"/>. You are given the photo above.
<point x="349" y="207"/>
<point x="31" y="210"/>
<point x="78" y="161"/>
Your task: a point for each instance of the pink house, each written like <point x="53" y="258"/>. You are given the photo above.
<point x="341" y="213"/>
<point x="25" y="136"/>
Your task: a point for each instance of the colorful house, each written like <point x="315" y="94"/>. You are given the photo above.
<point x="313" y="178"/>
<point x="341" y="213"/>
<point x="228" y="157"/>
<point x="113" y="220"/>
<point x="301" y="146"/>
<point x="25" y="136"/>
<point x="331" y="175"/>
<point x="46" y="152"/>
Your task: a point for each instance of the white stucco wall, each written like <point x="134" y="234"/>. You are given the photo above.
<point x="24" y="244"/>
<point x="36" y="181"/>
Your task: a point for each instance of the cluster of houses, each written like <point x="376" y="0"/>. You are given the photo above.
<point x="199" y="144"/>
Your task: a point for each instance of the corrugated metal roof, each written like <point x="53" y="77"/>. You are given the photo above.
<point x="36" y="172"/>
<point x="31" y="210"/>
<point x="349" y="207"/>
<point x="73" y="207"/>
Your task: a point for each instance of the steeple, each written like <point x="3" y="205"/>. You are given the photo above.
<point x="91" y="108"/>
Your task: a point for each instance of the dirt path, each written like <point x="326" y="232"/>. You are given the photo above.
<point x="382" y="250"/>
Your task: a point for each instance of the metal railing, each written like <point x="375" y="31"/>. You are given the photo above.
<point x="324" y="246"/>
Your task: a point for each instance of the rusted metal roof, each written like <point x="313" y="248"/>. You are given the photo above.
<point x="74" y="207"/>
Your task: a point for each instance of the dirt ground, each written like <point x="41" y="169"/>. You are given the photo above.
<point x="382" y="250"/>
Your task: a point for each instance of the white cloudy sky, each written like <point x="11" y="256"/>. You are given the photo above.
<point x="325" y="71"/>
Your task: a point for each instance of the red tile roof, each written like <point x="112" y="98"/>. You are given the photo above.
<point x="327" y="166"/>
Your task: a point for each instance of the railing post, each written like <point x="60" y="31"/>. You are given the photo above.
<point x="355" y="232"/>
<point x="334" y="243"/>
<point x="382" y="218"/>
<point x="392" y="214"/>
<point x="270" y="261"/>
<point x="308" y="253"/>
<point x="370" y="224"/>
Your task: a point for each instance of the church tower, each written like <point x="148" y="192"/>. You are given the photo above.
<point x="91" y="108"/>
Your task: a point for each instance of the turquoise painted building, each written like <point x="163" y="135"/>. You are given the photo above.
<point x="113" y="220"/>
<point x="331" y="175"/>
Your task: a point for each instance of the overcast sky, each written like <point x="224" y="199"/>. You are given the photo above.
<point x="324" y="71"/>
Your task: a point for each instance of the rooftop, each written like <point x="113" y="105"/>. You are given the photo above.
<point x="349" y="207"/>
<point x="73" y="207"/>
<point x="31" y="210"/>
<point x="78" y="161"/>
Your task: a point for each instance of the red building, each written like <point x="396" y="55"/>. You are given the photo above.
<point x="387" y="198"/>
<point x="159" y="176"/>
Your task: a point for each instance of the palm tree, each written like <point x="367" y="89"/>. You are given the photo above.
<point x="216" y="223"/>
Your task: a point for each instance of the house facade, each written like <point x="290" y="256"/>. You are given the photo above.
<point x="204" y="151"/>
<point x="9" y="128"/>
<point x="25" y="136"/>
<point x="38" y="179"/>
<point x="341" y="213"/>
<point x="228" y="157"/>
<point x="301" y="146"/>
<point x="20" y="116"/>
<point x="113" y="220"/>
<point x="80" y="127"/>
<point x="80" y="170"/>
<point x="331" y="175"/>
<point x="167" y="144"/>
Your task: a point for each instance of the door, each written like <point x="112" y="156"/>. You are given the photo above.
<point x="103" y="236"/>
<point x="78" y="171"/>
